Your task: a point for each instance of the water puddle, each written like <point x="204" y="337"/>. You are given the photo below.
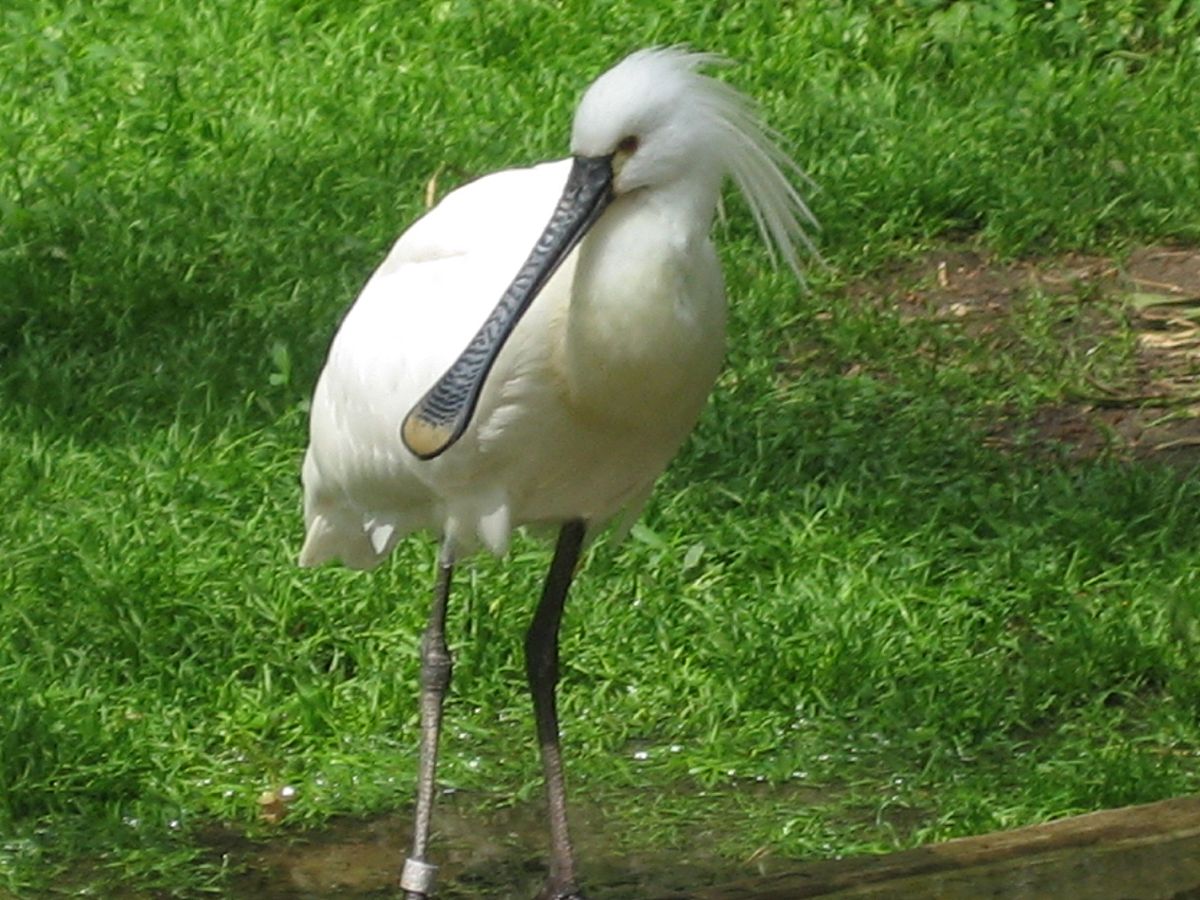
<point x="484" y="853"/>
<point x="1142" y="853"/>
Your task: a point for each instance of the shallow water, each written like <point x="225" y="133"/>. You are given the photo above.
<point x="497" y="854"/>
<point x="500" y="854"/>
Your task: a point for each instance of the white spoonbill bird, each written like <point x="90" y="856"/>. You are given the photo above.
<point x="559" y="405"/>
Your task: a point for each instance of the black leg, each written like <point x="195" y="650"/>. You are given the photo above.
<point x="418" y="876"/>
<point x="541" y="667"/>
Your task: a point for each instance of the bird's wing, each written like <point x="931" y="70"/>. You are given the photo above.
<point x="414" y="316"/>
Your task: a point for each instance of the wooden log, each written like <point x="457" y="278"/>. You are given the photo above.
<point x="1146" y="852"/>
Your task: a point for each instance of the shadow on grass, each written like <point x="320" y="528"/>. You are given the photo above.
<point x="136" y="310"/>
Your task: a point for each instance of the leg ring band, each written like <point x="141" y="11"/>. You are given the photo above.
<point x="418" y="877"/>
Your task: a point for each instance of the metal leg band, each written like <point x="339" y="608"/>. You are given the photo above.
<point x="418" y="877"/>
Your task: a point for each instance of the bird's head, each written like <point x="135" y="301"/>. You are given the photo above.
<point x="659" y="120"/>
<point x="641" y="116"/>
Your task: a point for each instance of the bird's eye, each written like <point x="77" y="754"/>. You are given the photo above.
<point x="628" y="145"/>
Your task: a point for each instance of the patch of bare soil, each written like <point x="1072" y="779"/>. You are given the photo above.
<point x="1152" y="412"/>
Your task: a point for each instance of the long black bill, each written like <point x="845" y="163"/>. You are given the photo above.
<point x="441" y="416"/>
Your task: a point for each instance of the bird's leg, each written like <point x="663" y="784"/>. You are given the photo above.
<point x="541" y="667"/>
<point x="418" y="875"/>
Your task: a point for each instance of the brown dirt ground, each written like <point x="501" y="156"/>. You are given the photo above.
<point x="1154" y="412"/>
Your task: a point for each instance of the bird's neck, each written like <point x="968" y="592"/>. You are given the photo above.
<point x="645" y="328"/>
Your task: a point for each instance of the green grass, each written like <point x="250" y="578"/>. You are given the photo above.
<point x="840" y="585"/>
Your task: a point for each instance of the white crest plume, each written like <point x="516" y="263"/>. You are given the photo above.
<point x="745" y="147"/>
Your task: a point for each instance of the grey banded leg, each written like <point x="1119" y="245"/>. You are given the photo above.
<point x="417" y="879"/>
<point x="541" y="667"/>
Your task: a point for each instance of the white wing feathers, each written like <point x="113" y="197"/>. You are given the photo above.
<point x="413" y="317"/>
